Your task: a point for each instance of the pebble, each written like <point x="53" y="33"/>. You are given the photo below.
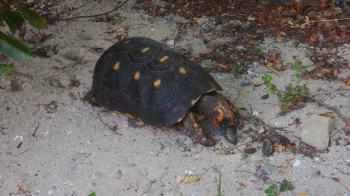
<point x="316" y="131"/>
<point x="296" y="163"/>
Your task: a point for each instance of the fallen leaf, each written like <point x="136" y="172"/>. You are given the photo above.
<point x="290" y="146"/>
<point x="336" y="179"/>
<point x="329" y="115"/>
<point x="194" y="153"/>
<point x="206" y="52"/>
<point x="242" y="184"/>
<point x="347" y="83"/>
<point x="119" y="174"/>
<point x="223" y="66"/>
<point x="222" y="152"/>
<point x="347" y="123"/>
<point x="242" y="92"/>
<point x="185" y="179"/>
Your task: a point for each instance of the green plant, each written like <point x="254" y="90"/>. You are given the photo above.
<point x="92" y="194"/>
<point x="273" y="191"/>
<point x="218" y="185"/>
<point x="15" y="21"/>
<point x="292" y="93"/>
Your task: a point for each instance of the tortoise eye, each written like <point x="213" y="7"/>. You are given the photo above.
<point x="226" y="122"/>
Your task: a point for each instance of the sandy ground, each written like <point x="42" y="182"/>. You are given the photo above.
<point x="52" y="143"/>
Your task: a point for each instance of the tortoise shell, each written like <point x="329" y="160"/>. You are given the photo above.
<point x="150" y="82"/>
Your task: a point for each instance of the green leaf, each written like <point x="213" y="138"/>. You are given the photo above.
<point x="274" y="88"/>
<point x="257" y="51"/>
<point x="6" y="6"/>
<point x="286" y="186"/>
<point x="268" y="84"/>
<point x="218" y="186"/>
<point x="92" y="194"/>
<point x="33" y="18"/>
<point x="298" y="75"/>
<point x="14" y="48"/>
<point x="271" y="189"/>
<point x="5" y="69"/>
<point x="12" y="19"/>
<point x="267" y="78"/>
<point x="297" y="65"/>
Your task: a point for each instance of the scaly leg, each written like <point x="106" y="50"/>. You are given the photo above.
<point x="201" y="135"/>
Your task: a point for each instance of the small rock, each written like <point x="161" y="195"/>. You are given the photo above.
<point x="269" y="168"/>
<point x="316" y="131"/>
<point x="170" y="42"/>
<point x="315" y="173"/>
<point x="268" y="148"/>
<point x="279" y="139"/>
<point x="266" y="96"/>
<point x="296" y="163"/>
<point x="249" y="150"/>
<point x="50" y="53"/>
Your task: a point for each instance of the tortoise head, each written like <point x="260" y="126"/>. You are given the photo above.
<point x="225" y="115"/>
<point x="228" y="118"/>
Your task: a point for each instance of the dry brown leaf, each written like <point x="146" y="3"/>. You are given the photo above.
<point x="347" y="83"/>
<point x="196" y="19"/>
<point x="242" y="92"/>
<point x="347" y="123"/>
<point x="303" y="194"/>
<point x="329" y="115"/>
<point x="223" y="66"/>
<point x="194" y="153"/>
<point x="85" y="162"/>
<point x="185" y="179"/>
<point x="119" y="174"/>
<point x="257" y="164"/>
<point x="206" y="52"/>
<point x="222" y="152"/>
<point x="289" y="165"/>
<point x="242" y="184"/>
<point x="289" y="146"/>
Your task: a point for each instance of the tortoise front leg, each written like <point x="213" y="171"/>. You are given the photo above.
<point x="201" y="135"/>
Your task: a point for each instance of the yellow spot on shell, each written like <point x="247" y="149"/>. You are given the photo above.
<point x="180" y="119"/>
<point x="127" y="41"/>
<point x="157" y="82"/>
<point x="195" y="100"/>
<point x="137" y="75"/>
<point x="116" y="65"/>
<point x="128" y="115"/>
<point x="164" y="58"/>
<point x="145" y="49"/>
<point x="93" y="99"/>
<point x="182" y="70"/>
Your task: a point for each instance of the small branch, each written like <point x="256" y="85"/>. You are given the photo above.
<point x="90" y="16"/>
<point x="336" y="110"/>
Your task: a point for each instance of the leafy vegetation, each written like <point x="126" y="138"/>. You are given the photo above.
<point x="292" y="93"/>
<point x="15" y="21"/>
<point x="273" y="191"/>
<point x="218" y="186"/>
<point x="92" y="194"/>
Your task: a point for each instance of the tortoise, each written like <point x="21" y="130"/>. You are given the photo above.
<point x="147" y="81"/>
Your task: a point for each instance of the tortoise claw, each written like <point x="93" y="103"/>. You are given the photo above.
<point x="230" y="135"/>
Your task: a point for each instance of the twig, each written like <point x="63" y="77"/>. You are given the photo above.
<point x="90" y="16"/>
<point x="336" y="110"/>
<point x="114" y="128"/>
<point x="34" y="135"/>
<point x="338" y="180"/>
